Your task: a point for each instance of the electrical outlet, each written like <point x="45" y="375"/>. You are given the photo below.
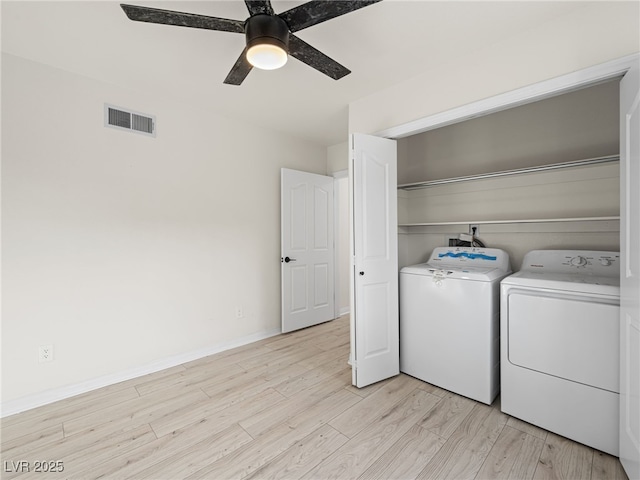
<point x="474" y="230"/>
<point x="239" y="313"/>
<point x="45" y="353"/>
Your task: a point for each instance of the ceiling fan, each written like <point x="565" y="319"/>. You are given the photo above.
<point x="269" y="36"/>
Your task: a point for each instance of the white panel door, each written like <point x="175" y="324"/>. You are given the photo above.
<point x="307" y="260"/>
<point x="630" y="272"/>
<point x="374" y="274"/>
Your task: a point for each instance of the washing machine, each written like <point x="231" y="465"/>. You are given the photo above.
<point x="449" y="320"/>
<point x="560" y="344"/>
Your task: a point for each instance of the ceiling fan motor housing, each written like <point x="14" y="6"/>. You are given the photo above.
<point x="270" y="29"/>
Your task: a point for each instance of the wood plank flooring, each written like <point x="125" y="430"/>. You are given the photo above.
<point x="284" y="408"/>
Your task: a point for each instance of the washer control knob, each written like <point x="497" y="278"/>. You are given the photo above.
<point x="578" y="261"/>
<point x="605" y="262"/>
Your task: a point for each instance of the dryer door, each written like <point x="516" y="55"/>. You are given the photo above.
<point x="567" y="336"/>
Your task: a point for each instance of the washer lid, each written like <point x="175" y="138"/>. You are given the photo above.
<point x="479" y="274"/>
<point x="476" y="263"/>
<point x="466" y="263"/>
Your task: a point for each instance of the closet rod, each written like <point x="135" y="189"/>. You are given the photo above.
<point x="518" y="171"/>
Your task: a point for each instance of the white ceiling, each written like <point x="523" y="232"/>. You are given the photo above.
<point x="382" y="44"/>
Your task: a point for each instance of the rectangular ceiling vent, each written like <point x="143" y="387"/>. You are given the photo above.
<point x="117" y="117"/>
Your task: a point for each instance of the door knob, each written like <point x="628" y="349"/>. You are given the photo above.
<point x="287" y="259"/>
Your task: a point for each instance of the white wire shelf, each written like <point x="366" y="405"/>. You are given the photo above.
<point x="506" y="173"/>
<point x="520" y="220"/>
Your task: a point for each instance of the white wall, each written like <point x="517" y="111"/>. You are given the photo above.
<point x="124" y="251"/>
<point x="573" y="126"/>
<point x="338" y="161"/>
<point x="344" y="262"/>
<point x="591" y="191"/>
<point x="578" y="192"/>
<point x="593" y="34"/>
<point x="338" y="157"/>
<point x="417" y="243"/>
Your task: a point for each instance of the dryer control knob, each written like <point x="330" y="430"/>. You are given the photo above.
<point x="605" y="262"/>
<point x="578" y="261"/>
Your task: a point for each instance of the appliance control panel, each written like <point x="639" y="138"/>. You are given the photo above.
<point x="590" y="262"/>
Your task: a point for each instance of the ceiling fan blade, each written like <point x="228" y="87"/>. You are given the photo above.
<point x="316" y="59"/>
<point x="256" y="7"/>
<point x="240" y="70"/>
<point x="318" y="11"/>
<point x="169" y="17"/>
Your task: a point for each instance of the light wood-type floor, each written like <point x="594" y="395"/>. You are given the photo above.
<point x="284" y="408"/>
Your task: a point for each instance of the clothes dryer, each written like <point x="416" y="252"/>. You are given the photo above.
<point x="560" y="344"/>
<point x="449" y="320"/>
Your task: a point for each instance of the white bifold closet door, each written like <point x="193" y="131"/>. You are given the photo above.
<point x="630" y="272"/>
<point x="375" y="335"/>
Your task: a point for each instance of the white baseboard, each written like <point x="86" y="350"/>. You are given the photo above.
<point x="39" y="399"/>
<point x="344" y="311"/>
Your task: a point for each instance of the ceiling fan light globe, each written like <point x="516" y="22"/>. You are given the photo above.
<point x="267" y="56"/>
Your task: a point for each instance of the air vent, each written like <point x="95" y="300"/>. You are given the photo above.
<point x="122" y="118"/>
